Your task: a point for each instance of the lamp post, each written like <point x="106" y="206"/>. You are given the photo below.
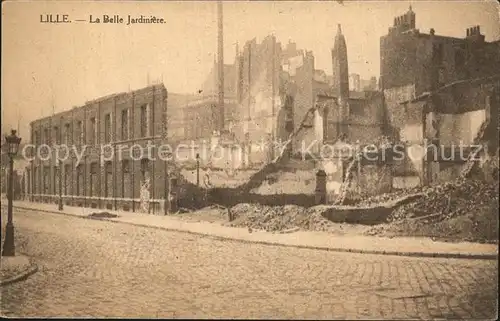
<point x="167" y="185"/>
<point x="197" y="169"/>
<point x="60" y="186"/>
<point x="12" y="142"/>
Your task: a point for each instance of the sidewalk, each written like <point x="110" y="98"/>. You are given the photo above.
<point x="404" y="246"/>
<point x="16" y="268"/>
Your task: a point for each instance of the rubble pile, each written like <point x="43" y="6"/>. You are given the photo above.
<point x="282" y="218"/>
<point x="268" y="218"/>
<point x="449" y="200"/>
<point x="462" y="210"/>
<point x="385" y="198"/>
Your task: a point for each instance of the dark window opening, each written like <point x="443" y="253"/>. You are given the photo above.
<point x="107" y="128"/>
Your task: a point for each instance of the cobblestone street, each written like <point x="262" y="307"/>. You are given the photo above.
<point x="91" y="268"/>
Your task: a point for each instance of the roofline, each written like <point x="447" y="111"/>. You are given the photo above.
<point x="452" y="84"/>
<point x="99" y="99"/>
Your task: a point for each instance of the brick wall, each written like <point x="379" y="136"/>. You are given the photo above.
<point x="93" y="171"/>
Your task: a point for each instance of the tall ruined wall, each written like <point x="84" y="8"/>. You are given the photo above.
<point x="370" y="180"/>
<point x="366" y="119"/>
<point x="404" y="122"/>
<point x="457" y="129"/>
<point x="260" y="81"/>
<point x="405" y="126"/>
<point x="404" y="61"/>
<point x="303" y="101"/>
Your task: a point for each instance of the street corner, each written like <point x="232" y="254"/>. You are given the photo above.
<point x="16" y="268"/>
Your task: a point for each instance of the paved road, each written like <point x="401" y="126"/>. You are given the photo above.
<point x="102" y="269"/>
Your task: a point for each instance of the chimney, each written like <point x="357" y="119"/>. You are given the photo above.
<point x="474" y="34"/>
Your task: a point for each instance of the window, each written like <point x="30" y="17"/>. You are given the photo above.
<point x="93" y="131"/>
<point x="35" y="180"/>
<point x="36" y="138"/>
<point x="107" y="179"/>
<point x="126" y="182"/>
<point x="79" y="180"/>
<point x="67" y="178"/>
<point x="441" y="77"/>
<point x="107" y="128"/>
<point x="144" y="120"/>
<point x="459" y="58"/>
<point x="55" y="180"/>
<point x="46" y="182"/>
<point x="125" y="124"/>
<point x="57" y="134"/>
<point x="144" y="169"/>
<point x="46" y="136"/>
<point x="67" y="134"/>
<point x="79" y="132"/>
<point x="94" y="169"/>
<point x="438" y="53"/>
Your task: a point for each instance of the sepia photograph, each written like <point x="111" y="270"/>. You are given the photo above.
<point x="221" y="159"/>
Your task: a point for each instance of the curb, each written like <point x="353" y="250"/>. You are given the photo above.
<point x="32" y="269"/>
<point x="311" y="247"/>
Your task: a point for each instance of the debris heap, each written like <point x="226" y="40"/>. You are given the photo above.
<point x="282" y="218"/>
<point x="461" y="210"/>
<point x="450" y="199"/>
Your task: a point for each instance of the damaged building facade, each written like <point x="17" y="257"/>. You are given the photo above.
<point x="267" y="92"/>
<point x="456" y="77"/>
<point x="437" y="93"/>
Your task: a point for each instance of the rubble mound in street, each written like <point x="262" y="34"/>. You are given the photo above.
<point x="450" y="199"/>
<point x="268" y="218"/>
<point x="385" y="198"/>
<point x="102" y="215"/>
<point x="283" y="218"/>
<point x="461" y="210"/>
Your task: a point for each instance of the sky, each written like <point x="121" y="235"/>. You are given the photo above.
<point x="54" y="67"/>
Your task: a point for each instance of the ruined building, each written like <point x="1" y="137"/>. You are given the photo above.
<point x="445" y="85"/>
<point x="267" y="91"/>
<point x="357" y="116"/>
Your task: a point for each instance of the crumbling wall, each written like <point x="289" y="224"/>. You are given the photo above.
<point x="303" y="102"/>
<point x="398" y="114"/>
<point x="335" y="171"/>
<point x="460" y="129"/>
<point x="406" y="128"/>
<point x="366" y="119"/>
<point x="370" y="180"/>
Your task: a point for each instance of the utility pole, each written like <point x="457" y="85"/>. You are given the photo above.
<point x="60" y="207"/>
<point x="220" y="56"/>
<point x="197" y="169"/>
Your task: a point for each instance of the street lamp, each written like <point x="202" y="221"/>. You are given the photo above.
<point x="197" y="169"/>
<point x="12" y="142"/>
<point x="60" y="186"/>
<point x="167" y="185"/>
